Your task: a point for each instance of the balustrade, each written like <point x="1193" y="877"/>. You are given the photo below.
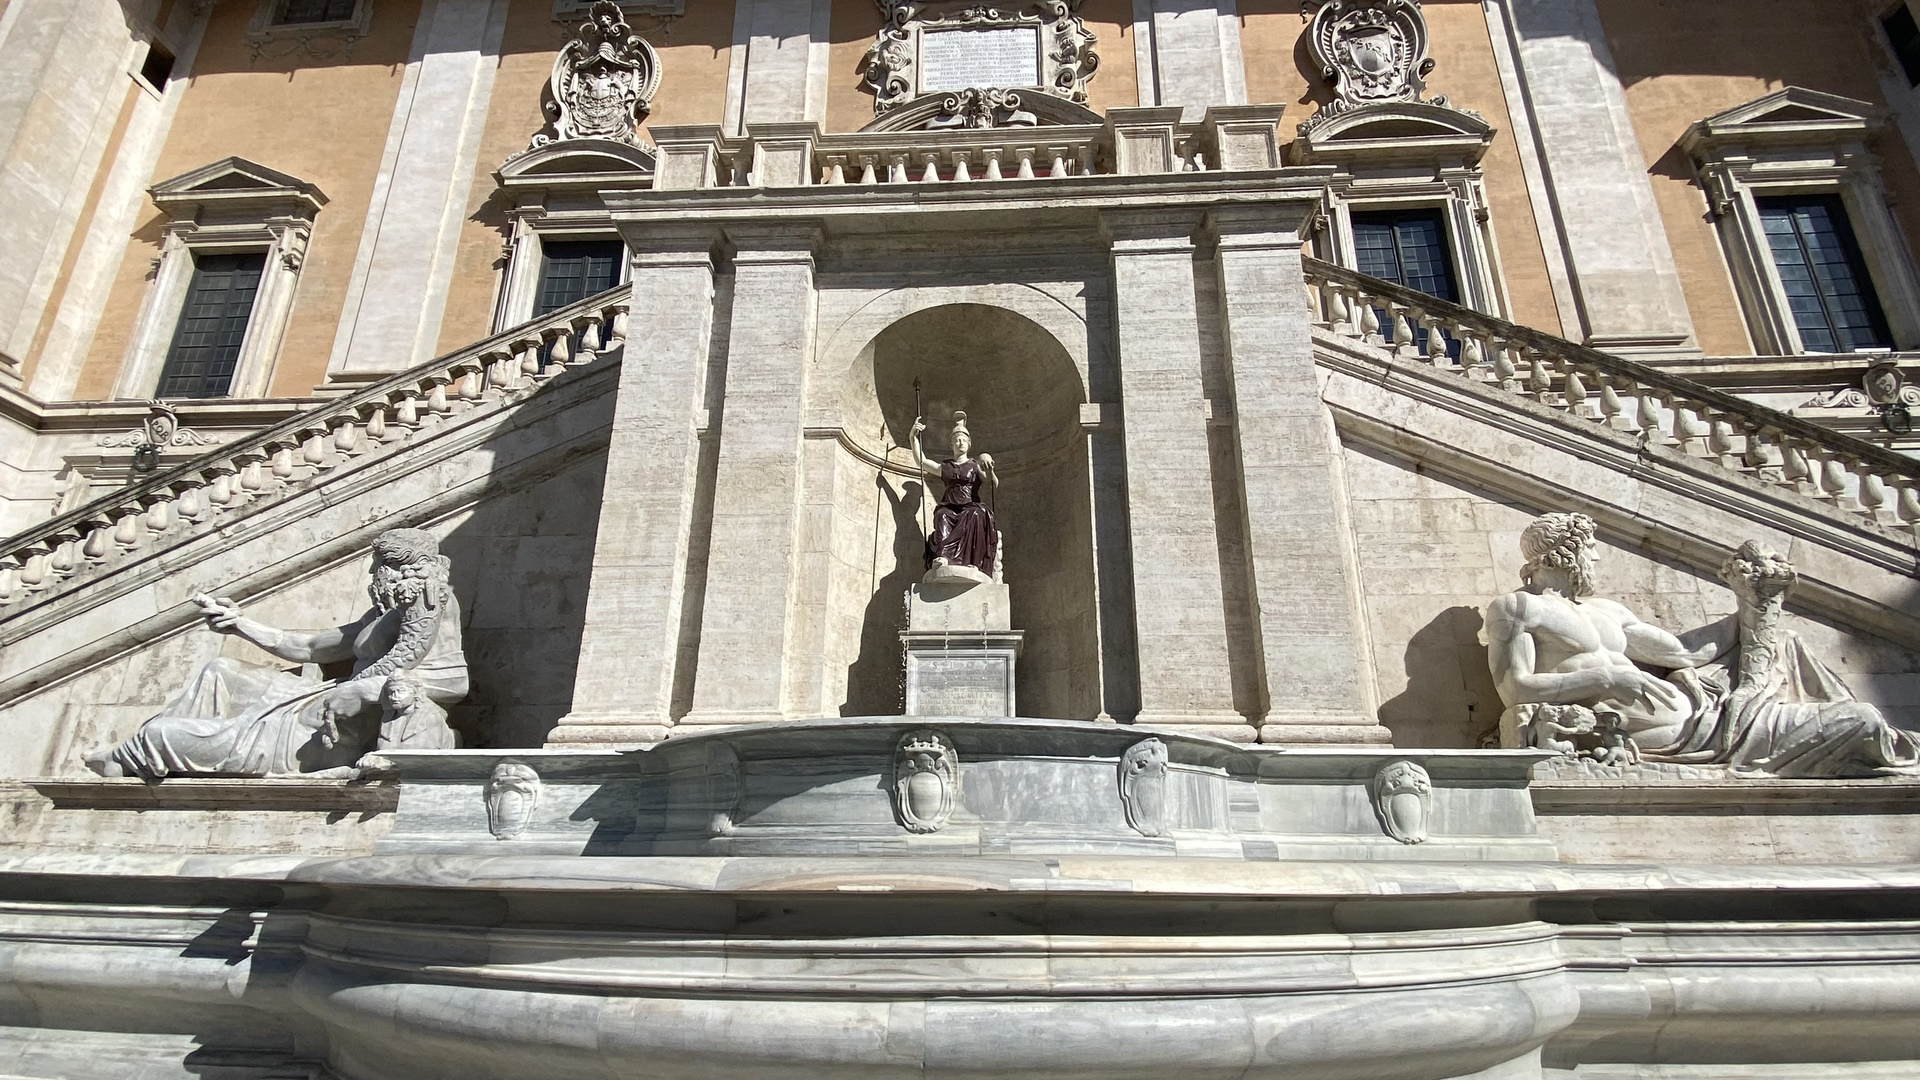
<point x="198" y="495"/>
<point x="1665" y="410"/>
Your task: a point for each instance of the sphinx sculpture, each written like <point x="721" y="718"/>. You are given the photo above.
<point x="1741" y="692"/>
<point x="235" y="718"/>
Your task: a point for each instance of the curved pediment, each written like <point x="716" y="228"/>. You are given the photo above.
<point x="1394" y="132"/>
<point x="982" y="108"/>
<point x="575" y="157"/>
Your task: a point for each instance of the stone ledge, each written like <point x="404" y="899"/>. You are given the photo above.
<point x="1641" y="796"/>
<point x="210" y="793"/>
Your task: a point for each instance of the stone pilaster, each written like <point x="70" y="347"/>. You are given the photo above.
<point x="779" y="67"/>
<point x="1187" y="53"/>
<point x="1301" y="560"/>
<point x="629" y="646"/>
<point x="1604" y="218"/>
<point x="751" y="594"/>
<point x="398" y="293"/>
<point x="1180" y="622"/>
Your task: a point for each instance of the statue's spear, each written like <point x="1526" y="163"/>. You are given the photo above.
<point x="926" y="494"/>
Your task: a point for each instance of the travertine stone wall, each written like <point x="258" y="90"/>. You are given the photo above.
<point x="1434" y="551"/>
<point x="1188" y="54"/>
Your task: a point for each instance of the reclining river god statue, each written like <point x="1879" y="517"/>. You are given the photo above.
<point x="235" y="718"/>
<point x="1741" y="692"/>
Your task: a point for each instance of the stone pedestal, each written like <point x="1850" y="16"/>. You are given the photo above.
<point x="961" y="648"/>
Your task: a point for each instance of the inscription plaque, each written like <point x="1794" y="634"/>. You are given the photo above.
<point x="958" y="59"/>
<point x="960" y="685"/>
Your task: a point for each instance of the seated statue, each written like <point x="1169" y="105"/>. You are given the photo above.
<point x="964" y="542"/>
<point x="239" y="719"/>
<point x="1740" y="692"/>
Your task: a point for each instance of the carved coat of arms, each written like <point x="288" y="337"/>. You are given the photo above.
<point x="603" y="81"/>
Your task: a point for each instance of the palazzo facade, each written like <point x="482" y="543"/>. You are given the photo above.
<point x="1440" y="593"/>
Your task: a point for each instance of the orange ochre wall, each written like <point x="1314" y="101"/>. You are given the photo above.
<point x="1280" y="70"/>
<point x="1684" y="60"/>
<point x="693" y="90"/>
<point x="321" y="115"/>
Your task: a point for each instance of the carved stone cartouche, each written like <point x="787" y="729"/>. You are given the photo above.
<point x="891" y="66"/>
<point x="603" y="81"/>
<point x="512" y="794"/>
<point x="1403" y="800"/>
<point x="926" y="780"/>
<point x="1143" y="786"/>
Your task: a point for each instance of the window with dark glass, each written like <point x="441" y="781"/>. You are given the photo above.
<point x="572" y="270"/>
<point x="1904" y="35"/>
<point x="1826" y="280"/>
<point x="213" y="323"/>
<point x="158" y="67"/>
<point x="315" y="11"/>
<point x="1406" y="247"/>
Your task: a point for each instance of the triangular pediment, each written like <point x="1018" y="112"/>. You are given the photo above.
<point x="237" y="174"/>
<point x="1793" y="113"/>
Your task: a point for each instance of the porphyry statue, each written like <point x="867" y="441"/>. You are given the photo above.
<point x="1741" y="692"/>
<point x="964" y="543"/>
<point x="235" y="718"/>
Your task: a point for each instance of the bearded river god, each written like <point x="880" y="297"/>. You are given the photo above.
<point x="235" y="718"/>
<point x="1740" y="692"/>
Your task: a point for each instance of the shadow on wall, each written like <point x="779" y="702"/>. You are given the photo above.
<point x="522" y="560"/>
<point x="1450" y="699"/>
<point x="874" y="685"/>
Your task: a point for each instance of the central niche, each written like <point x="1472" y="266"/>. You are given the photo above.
<point x="1021" y="392"/>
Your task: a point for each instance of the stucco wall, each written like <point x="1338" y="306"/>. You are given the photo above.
<point x="322" y="118"/>
<point x="1680" y="63"/>
<point x="1433" y="552"/>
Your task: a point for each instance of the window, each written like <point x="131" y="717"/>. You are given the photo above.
<point x="293" y="12"/>
<point x="1904" y="35"/>
<point x="158" y="67"/>
<point x="1826" y="282"/>
<point x="206" y="343"/>
<point x="572" y="270"/>
<point x="1406" y="247"/>
<point x="1817" y="258"/>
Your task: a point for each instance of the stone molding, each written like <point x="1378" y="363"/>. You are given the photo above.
<point x="1796" y="141"/>
<point x="219" y="793"/>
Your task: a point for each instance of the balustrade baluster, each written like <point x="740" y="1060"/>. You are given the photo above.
<point x="1832" y="477"/>
<point x="98" y="536"/>
<point x="993" y="165"/>
<point x="1539" y="379"/>
<point x="1402" y="331"/>
<point x="1025" y="171"/>
<point x="159" y="514"/>
<point x="313" y="448"/>
<point x="1504" y="370"/>
<point x="1059" y="168"/>
<point x="1369" y="321"/>
<point x="33" y="570"/>
<point x="1720" y="441"/>
<point x="283" y="463"/>
<point x="1908" y="504"/>
<point x="1573" y="391"/>
<point x="1687" y="430"/>
<point x="61" y="561"/>
<point x="589" y="327"/>
<point x="1646" y="413"/>
<point x="868" y="174"/>
<point x="126" y="528"/>
<point x="1473" y="352"/>
<point x="1872" y="492"/>
<point x="10" y="589"/>
<point x="192" y="504"/>
<point x="1436" y="343"/>
<point x="1612" y="409"/>
<point x="617" y="327"/>
<point x="930" y="174"/>
<point x="559" y="349"/>
<point x="960" y="173"/>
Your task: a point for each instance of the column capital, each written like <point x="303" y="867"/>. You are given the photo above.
<point x="670" y="243"/>
<point x="773" y="242"/>
<point x="1263" y="225"/>
<point x="1149" y="232"/>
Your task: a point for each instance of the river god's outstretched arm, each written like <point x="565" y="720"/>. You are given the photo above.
<point x="299" y="646"/>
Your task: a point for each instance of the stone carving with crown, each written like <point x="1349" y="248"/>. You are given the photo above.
<point x="1370" y="52"/>
<point x="603" y="81"/>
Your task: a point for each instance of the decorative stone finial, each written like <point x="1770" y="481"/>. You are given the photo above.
<point x="603" y="81"/>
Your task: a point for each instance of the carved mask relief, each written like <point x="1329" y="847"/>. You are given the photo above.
<point x="1403" y="800"/>
<point x="926" y="780"/>
<point x="1143" y="786"/>
<point x="512" y="793"/>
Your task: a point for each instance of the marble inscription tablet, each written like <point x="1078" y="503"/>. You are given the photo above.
<point x="957" y="59"/>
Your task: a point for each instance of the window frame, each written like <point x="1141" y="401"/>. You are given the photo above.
<point x="1817" y="145"/>
<point x="526" y="261"/>
<point x="271" y="213"/>
<point x="266" y="27"/>
<point x="1432" y="161"/>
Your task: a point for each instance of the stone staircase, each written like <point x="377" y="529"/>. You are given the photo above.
<point x="1831" y="469"/>
<point x="215" y="490"/>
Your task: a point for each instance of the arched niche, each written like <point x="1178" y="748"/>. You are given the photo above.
<point x="1021" y="389"/>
